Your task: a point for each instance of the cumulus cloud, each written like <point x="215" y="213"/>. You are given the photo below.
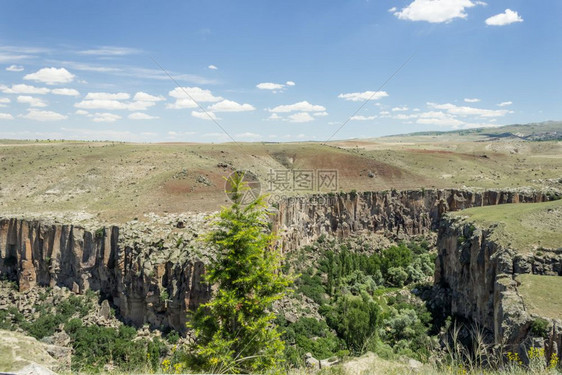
<point x="213" y="67"/>
<point x="66" y="92"/>
<point x="82" y="112"/>
<point x="471" y="100"/>
<point x="320" y="114"/>
<point x="6" y="116"/>
<point x="436" y="11"/>
<point x="51" y="76"/>
<point x="270" y="86"/>
<point x="33" y="102"/>
<point x="231" y="106"/>
<point x="37" y="115"/>
<point x="4" y="101"/>
<point x="400" y="109"/>
<point x="303" y="106"/>
<point x="274" y="116"/>
<point x="204" y="115"/>
<point x="469" y="111"/>
<point x="144" y="97"/>
<point x="361" y="96"/>
<point x="300" y="117"/>
<point x="362" y="118"/>
<point x="107" y="96"/>
<point x="24" y="89"/>
<point x="111" y="51"/>
<point x="101" y="104"/>
<point x="15" y="68"/>
<point x="505" y="18"/>
<point x="275" y="87"/>
<point x="505" y="104"/>
<point x="141" y="116"/>
<point x="184" y="96"/>
<point x="105" y="117"/>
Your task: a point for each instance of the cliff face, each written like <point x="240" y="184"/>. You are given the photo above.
<point x="302" y="220"/>
<point x="479" y="278"/>
<point x="156" y="280"/>
<point x="33" y="253"/>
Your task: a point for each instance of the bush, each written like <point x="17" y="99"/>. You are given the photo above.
<point x="539" y="327"/>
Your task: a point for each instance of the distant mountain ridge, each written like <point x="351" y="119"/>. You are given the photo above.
<point x="541" y="131"/>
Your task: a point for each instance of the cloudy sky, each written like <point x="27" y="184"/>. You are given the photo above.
<point x="274" y="70"/>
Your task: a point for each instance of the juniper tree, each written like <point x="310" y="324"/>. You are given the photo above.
<point x="235" y="332"/>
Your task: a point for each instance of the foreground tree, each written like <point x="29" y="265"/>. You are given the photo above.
<point x="235" y="332"/>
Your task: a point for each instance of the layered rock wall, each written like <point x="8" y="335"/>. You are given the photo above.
<point x="37" y="253"/>
<point x="300" y="221"/>
<point x="478" y="276"/>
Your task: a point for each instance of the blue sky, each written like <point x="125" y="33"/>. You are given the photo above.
<point x="274" y="70"/>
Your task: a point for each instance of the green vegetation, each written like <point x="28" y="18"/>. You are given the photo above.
<point x="537" y="292"/>
<point x="520" y="226"/>
<point x="357" y="296"/>
<point x="235" y="331"/>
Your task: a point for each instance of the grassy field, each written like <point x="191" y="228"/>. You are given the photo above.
<point x="521" y="227"/>
<point x="120" y="181"/>
<point x="538" y="292"/>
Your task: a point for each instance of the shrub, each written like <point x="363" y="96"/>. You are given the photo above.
<point x="539" y="327"/>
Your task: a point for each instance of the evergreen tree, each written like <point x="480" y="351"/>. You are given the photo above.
<point x="235" y="332"/>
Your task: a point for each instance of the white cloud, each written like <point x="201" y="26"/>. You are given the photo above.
<point x="213" y="67"/>
<point x="107" y="96"/>
<point x="15" y="68"/>
<point x="361" y="96"/>
<point x="184" y="95"/>
<point x="320" y="114"/>
<point x="82" y="112"/>
<point x="33" y="102"/>
<point x="111" y="51"/>
<point x="248" y="135"/>
<point x="362" y="118"/>
<point x="101" y="104"/>
<point x="471" y="100"/>
<point x="114" y="105"/>
<point x="505" y="18"/>
<point x="393" y="9"/>
<point x="270" y="86"/>
<point x="6" y="116"/>
<point x="66" y="92"/>
<point x="139" y="105"/>
<point x="144" y="97"/>
<point x="141" y="116"/>
<point x="445" y="121"/>
<point x="51" y="76"/>
<point x="303" y="106"/>
<point x="24" y="89"/>
<point x="204" y="115"/>
<point x="274" y="116"/>
<point x="400" y="109"/>
<point x="4" y="101"/>
<point x="301" y="117"/>
<point x="469" y="111"/>
<point x="436" y="11"/>
<point x="37" y="115"/>
<point x="230" y="106"/>
<point x="505" y="104"/>
<point x="290" y="83"/>
<point x="105" y="117"/>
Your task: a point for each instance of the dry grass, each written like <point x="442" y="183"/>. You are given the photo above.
<point x="541" y="294"/>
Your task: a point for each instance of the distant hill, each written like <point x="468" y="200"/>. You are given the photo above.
<point x="542" y="131"/>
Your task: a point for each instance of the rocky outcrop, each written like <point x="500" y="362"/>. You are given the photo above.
<point x="301" y="220"/>
<point x="478" y="276"/>
<point x="154" y="283"/>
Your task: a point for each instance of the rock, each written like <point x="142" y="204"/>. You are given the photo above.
<point x="35" y="369"/>
<point x="104" y="311"/>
